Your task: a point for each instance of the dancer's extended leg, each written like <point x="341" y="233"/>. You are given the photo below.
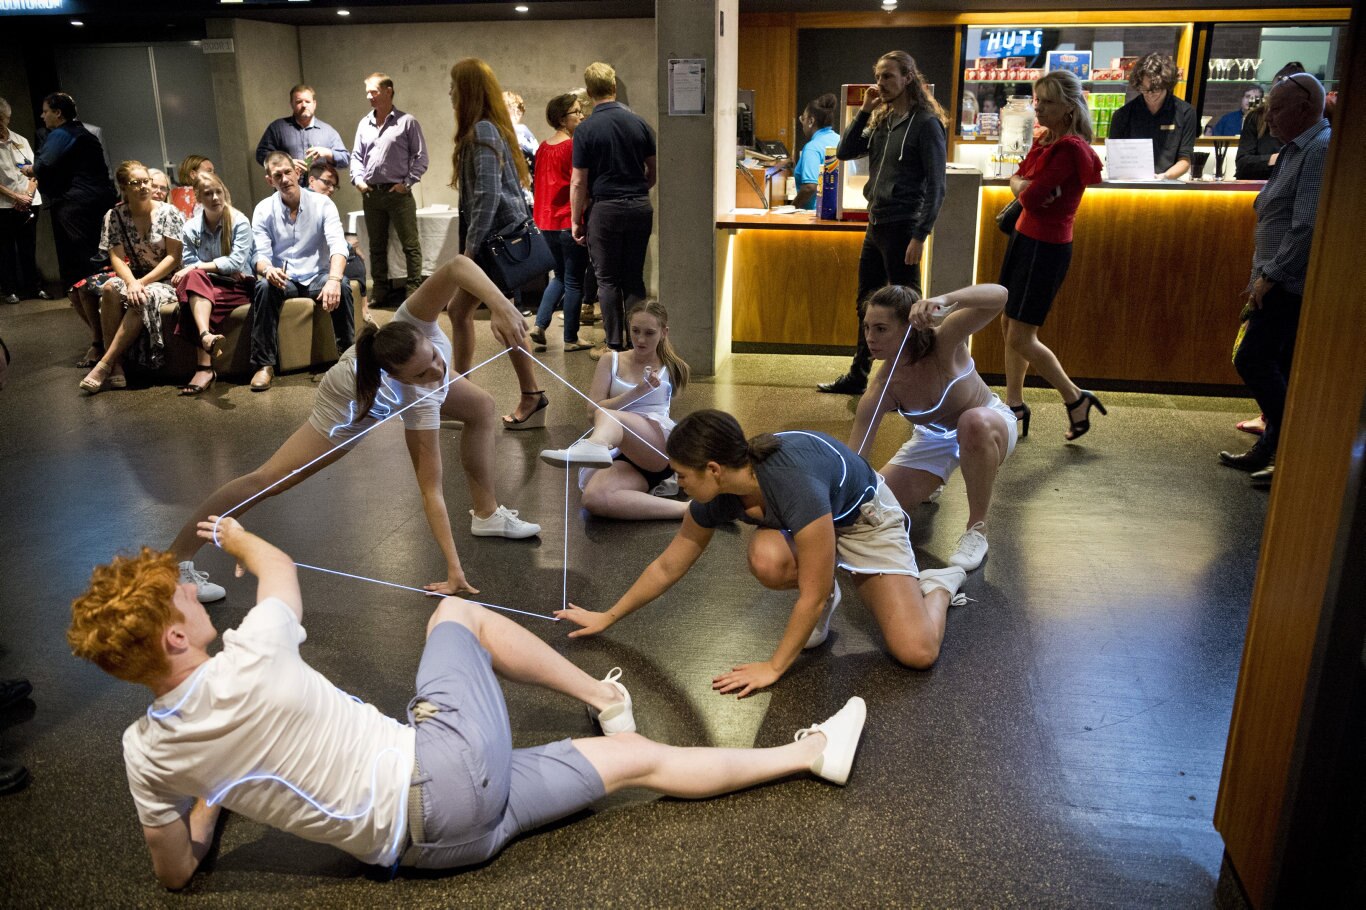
<point x="983" y="439"/>
<point x="621" y="492"/>
<point x="304" y="446"/>
<point x="912" y="624"/>
<point x="631" y="760"/>
<point x="466" y="402"/>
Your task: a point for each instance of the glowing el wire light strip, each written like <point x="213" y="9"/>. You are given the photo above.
<point x="422" y="591"/>
<point x="844" y="464"/>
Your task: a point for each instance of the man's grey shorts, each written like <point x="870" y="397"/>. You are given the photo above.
<point x="477" y="792"/>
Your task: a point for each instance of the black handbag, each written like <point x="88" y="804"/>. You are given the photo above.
<point x="516" y="256"/>
<point x="1006" y="218"/>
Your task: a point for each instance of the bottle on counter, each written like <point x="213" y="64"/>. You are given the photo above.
<point x="967" y="121"/>
<point x="1017" y="125"/>
<point x="827" y="201"/>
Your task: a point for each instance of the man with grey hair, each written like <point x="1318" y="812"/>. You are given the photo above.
<point x="19" y="202"/>
<point x="1286" y="208"/>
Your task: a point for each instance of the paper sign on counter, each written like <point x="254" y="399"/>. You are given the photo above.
<point x="1130" y="159"/>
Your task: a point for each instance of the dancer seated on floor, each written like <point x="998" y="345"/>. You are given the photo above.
<point x="256" y="729"/>
<point x="386" y="370"/>
<point x="817" y="505"/>
<point x="633" y="388"/>
<point x="929" y="378"/>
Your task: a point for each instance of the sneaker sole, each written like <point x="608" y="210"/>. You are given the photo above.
<point x="964" y="564"/>
<point x="519" y="535"/>
<point x="575" y="462"/>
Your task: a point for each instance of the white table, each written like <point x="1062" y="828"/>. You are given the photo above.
<point x="438" y="230"/>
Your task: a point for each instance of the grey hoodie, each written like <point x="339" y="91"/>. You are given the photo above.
<point x="906" y="159"/>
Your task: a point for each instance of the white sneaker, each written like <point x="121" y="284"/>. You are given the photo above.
<point x="972" y="548"/>
<point x="502" y="523"/>
<point x="205" y="590"/>
<point x="666" y="487"/>
<point x="617" y="718"/>
<point x="583" y="453"/>
<point x="842" y="734"/>
<point x="949" y="578"/>
<point x="822" y="630"/>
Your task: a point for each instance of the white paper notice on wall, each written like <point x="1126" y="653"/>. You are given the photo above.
<point x="688" y="87"/>
<point x="1130" y="159"/>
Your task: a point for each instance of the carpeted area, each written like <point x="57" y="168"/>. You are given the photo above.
<point x="1064" y="752"/>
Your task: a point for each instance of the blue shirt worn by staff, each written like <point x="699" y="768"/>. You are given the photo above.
<point x="812" y="159"/>
<point x="302" y="246"/>
<point x="287" y="136"/>
<point x="205" y="244"/>
<point x="810" y="475"/>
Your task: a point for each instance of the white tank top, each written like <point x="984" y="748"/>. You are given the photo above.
<point x="654" y="404"/>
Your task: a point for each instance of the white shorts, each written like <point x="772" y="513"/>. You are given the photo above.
<point x="879" y="541"/>
<point x="930" y="450"/>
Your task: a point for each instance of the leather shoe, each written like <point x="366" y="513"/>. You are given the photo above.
<point x="1261" y="480"/>
<point x="848" y="384"/>
<point x="13" y="778"/>
<point x="13" y="691"/>
<point x="1254" y="459"/>
<point x="261" y="381"/>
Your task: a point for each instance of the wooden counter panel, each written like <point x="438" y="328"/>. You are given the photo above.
<point x="797" y="221"/>
<point x="1154" y="290"/>
<point x="795" y="287"/>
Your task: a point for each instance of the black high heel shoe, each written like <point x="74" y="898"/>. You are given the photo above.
<point x="532" y="421"/>
<point x="1080" y="427"/>
<point x="1022" y="415"/>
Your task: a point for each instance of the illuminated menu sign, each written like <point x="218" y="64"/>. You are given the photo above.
<point x="1014" y="42"/>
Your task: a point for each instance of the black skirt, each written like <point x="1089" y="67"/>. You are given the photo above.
<point x="1032" y="272"/>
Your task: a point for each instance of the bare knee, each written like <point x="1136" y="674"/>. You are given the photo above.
<point x="772" y="569"/>
<point x="595" y="499"/>
<point x="975" y="431"/>
<point x="919" y="655"/>
<point x="1018" y="337"/>
<point x="457" y="610"/>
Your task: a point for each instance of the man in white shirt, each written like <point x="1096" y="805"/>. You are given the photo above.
<point x="300" y="252"/>
<point x="256" y="729"/>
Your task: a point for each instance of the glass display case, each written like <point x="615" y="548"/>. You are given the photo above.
<point x="1244" y="58"/>
<point x="1002" y="61"/>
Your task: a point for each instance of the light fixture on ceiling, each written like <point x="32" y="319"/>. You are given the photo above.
<point x="522" y="9"/>
<point x="343" y="12"/>
<point x="888" y="5"/>
<point x="76" y="22"/>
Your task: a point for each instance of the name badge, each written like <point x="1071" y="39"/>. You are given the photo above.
<point x="1169" y="126"/>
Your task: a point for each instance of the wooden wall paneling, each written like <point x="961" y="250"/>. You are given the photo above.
<point x="1154" y="289"/>
<point x="1327" y="387"/>
<point x="795" y="287"/>
<point x="768" y="65"/>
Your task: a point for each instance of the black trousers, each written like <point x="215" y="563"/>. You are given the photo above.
<point x="881" y="262"/>
<point x="1264" y="355"/>
<point x="76" y="233"/>
<point x="18" y="245"/>
<point x="618" y="236"/>
<point x="268" y="301"/>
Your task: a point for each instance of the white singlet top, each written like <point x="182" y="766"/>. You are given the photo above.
<point x="654" y="404"/>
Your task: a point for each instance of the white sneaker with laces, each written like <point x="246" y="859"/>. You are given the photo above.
<point x="205" y="590"/>
<point x="617" y="718"/>
<point x="502" y="523"/>
<point x="949" y="578"/>
<point x="822" y="630"/>
<point x="972" y="548"/>
<point x="842" y="732"/>
<point x="582" y="453"/>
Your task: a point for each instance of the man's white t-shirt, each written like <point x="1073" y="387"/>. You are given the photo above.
<point x="267" y="735"/>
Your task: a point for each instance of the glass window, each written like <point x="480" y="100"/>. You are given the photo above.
<point x="1244" y="59"/>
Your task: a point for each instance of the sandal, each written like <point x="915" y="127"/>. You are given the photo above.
<point x="97" y="380"/>
<point x="191" y="388"/>
<point x="1022" y="415"/>
<point x="1080" y="427"/>
<point x="534" y="420"/>
<point x="88" y="361"/>
<point x="209" y="342"/>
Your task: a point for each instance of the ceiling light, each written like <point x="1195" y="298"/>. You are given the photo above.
<point x="343" y="12"/>
<point x="522" y="9"/>
<point x="889" y="5"/>
<point x="76" y="22"/>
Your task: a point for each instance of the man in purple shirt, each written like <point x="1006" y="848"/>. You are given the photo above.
<point x="300" y="252"/>
<point x="389" y="157"/>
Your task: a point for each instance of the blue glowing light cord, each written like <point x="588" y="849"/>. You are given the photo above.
<point x="564" y="589"/>
<point x="873" y="421"/>
<point x="330" y="813"/>
<point x="864" y="492"/>
<point x="163" y="713"/>
<point x="391" y="584"/>
<point x="606" y="411"/>
<point x="967" y="371"/>
<point x="441" y="388"/>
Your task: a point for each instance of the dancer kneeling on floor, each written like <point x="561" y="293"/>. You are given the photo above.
<point x="817" y="505"/>
<point x="633" y="389"/>
<point x="256" y="729"/>
<point x="407" y="361"/>
<point x="929" y="378"/>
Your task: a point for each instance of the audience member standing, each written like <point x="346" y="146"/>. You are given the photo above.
<point x="901" y="128"/>
<point x="390" y="157"/>
<point x="554" y="171"/>
<point x="1286" y="208"/>
<point x="19" y="202"/>
<point x="74" y="180"/>
<point x="1257" y="148"/>
<point x="610" y="211"/>
<point x="300" y="252"/>
<point x="302" y="135"/>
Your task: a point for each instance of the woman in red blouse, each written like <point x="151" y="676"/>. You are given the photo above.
<point x="554" y="165"/>
<point x="1049" y="185"/>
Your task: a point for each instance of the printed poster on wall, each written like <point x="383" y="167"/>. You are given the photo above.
<point x="688" y="87"/>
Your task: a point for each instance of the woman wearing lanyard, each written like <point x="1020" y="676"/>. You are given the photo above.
<point x="1158" y="115"/>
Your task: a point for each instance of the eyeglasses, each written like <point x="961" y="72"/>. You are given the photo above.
<point x="1151" y="91"/>
<point x="138" y="184"/>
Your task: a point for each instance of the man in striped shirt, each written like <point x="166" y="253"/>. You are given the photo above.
<point x="1286" y="208"/>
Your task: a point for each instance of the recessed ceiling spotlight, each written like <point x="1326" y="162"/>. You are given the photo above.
<point x="889" y="5"/>
<point x="76" y="22"/>
<point x="343" y="12"/>
<point x="522" y="9"/>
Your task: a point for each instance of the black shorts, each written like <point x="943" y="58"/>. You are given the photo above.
<point x="652" y="478"/>
<point x="1032" y="272"/>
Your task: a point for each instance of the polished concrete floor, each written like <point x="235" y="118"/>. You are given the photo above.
<point x="1064" y="752"/>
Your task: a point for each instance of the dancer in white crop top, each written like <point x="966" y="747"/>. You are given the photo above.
<point x="633" y="390"/>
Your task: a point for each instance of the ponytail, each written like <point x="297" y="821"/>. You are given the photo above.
<point x="378" y="350"/>
<point x="711" y="435"/>
<point x="678" y="368"/>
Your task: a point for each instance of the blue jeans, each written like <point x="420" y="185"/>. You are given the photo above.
<point x="571" y="261"/>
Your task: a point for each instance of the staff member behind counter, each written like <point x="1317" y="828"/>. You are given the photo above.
<point x="818" y="123"/>
<point x="1157" y="115"/>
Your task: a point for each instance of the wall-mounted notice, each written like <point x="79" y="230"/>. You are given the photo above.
<point x="688" y="87"/>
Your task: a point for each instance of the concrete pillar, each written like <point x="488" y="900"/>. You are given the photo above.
<point x="696" y="177"/>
